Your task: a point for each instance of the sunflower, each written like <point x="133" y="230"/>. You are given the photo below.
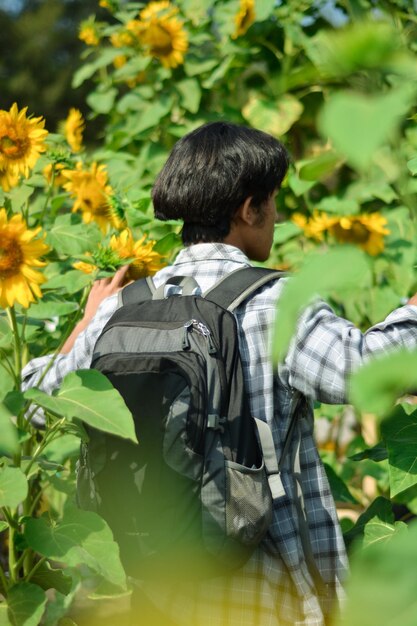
<point x="366" y="230"/>
<point x="22" y="139"/>
<point x="161" y="33"/>
<point x="89" y="34"/>
<point x="59" y="178"/>
<point x="244" y="18"/>
<point x="146" y="261"/>
<point x="19" y="254"/>
<point x="91" y="190"/>
<point x="73" y="128"/>
<point x="8" y="179"/>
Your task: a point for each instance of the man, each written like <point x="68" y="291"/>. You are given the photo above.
<point x="221" y="180"/>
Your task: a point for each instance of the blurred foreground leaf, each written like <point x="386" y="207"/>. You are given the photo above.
<point x="340" y="268"/>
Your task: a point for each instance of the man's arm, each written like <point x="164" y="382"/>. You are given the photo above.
<point x="327" y="349"/>
<point x="100" y="290"/>
<point x="77" y="350"/>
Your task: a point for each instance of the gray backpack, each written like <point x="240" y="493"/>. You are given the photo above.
<point x="195" y="495"/>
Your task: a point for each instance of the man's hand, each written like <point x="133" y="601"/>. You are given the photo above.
<point x="100" y="290"/>
<point x="413" y="300"/>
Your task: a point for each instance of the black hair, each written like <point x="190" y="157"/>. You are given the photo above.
<point x="211" y="172"/>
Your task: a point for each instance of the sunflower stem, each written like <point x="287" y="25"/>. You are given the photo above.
<point x="17" y="347"/>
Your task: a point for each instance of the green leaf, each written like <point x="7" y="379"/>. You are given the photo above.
<point x="19" y="196"/>
<point x="339" y="489"/>
<point x="378" y="531"/>
<point x="377" y="453"/>
<point x="412" y="165"/>
<point x="275" y="118"/>
<point x="376" y="386"/>
<point x="13" y="486"/>
<point x="190" y="91"/>
<point x="358" y="125"/>
<point x="9" y="438"/>
<point x="339" y="268"/>
<point x="320" y="167"/>
<point x="382" y="584"/>
<point x="46" y="309"/>
<point x="81" y="537"/>
<point x="400" y="436"/>
<point x="194" y="66"/>
<point x="48" y="578"/>
<point x="339" y="206"/>
<point x="4" y="618"/>
<point x="26" y="603"/>
<point x="150" y="116"/>
<point x="285" y="231"/>
<point x="263" y="9"/>
<point x="63" y="448"/>
<point x="167" y="243"/>
<point x="70" y="238"/>
<point x="69" y="282"/>
<point x="364" y="44"/>
<point x="3" y="526"/>
<point x="89" y="69"/>
<point x="381" y="508"/>
<point x="102" y="102"/>
<point x="383" y="300"/>
<point x="89" y="396"/>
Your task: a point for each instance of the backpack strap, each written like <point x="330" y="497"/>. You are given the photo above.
<point x="231" y="290"/>
<point x="142" y="289"/>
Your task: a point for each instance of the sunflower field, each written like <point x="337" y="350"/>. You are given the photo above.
<point x="337" y="82"/>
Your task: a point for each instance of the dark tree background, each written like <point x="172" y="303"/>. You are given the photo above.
<point x="39" y="52"/>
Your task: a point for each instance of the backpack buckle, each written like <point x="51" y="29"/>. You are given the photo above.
<point x="216" y="422"/>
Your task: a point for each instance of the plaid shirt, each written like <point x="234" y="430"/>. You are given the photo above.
<point x="276" y="586"/>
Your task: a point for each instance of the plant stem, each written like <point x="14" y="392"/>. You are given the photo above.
<point x="3" y="580"/>
<point x="17" y="347"/>
<point x="12" y="555"/>
<point x="35" y="568"/>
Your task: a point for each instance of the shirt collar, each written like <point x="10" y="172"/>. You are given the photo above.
<point x="211" y="252"/>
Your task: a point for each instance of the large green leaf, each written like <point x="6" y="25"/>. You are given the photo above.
<point x="13" y="486"/>
<point x="340" y="268"/>
<point x="89" y="396"/>
<point x="272" y="117"/>
<point x="320" y="167"/>
<point x="81" y="537"/>
<point x="48" y="578"/>
<point x="51" y="308"/>
<point x="68" y="282"/>
<point x="102" y="101"/>
<point x="70" y="238"/>
<point x="339" y="489"/>
<point x="358" y="125"/>
<point x="382" y="586"/>
<point x="377" y="385"/>
<point x="26" y="603"/>
<point x="190" y="91"/>
<point x="400" y="435"/>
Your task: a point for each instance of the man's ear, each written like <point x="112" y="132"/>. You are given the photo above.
<point x="246" y="213"/>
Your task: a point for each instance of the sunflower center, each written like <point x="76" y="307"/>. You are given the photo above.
<point x="11" y="257"/>
<point x="160" y="40"/>
<point x="357" y="233"/>
<point x="14" y="146"/>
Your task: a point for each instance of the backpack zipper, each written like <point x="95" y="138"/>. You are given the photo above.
<point x="202" y="329"/>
